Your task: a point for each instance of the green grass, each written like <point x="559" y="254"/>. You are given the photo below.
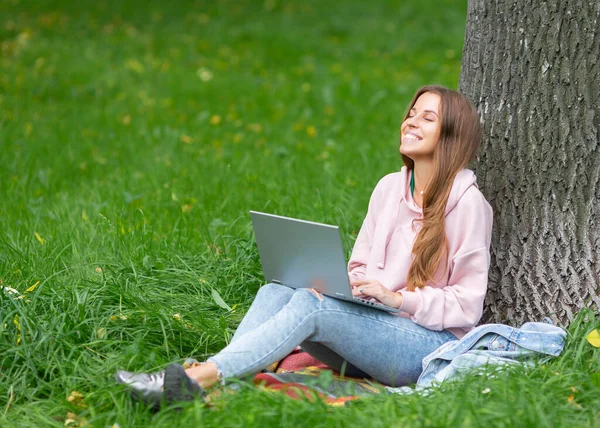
<point x="135" y="136"/>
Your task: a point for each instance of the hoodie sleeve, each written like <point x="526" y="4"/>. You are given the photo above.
<point x="459" y="304"/>
<point x="357" y="266"/>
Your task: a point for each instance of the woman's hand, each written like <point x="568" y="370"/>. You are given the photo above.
<point x="372" y="288"/>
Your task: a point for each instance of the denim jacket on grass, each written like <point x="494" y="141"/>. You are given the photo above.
<point x="490" y="344"/>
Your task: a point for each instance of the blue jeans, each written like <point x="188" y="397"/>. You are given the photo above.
<point x="362" y="341"/>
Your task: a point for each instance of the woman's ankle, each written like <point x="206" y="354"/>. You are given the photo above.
<point x="206" y="374"/>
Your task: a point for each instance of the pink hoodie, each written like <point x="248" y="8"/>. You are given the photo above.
<point x="383" y="251"/>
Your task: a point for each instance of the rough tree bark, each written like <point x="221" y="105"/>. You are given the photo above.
<point x="532" y="68"/>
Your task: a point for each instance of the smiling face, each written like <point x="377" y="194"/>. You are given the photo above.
<point x="420" y="131"/>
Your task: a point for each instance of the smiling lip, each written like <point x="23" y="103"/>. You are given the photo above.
<point x="411" y="137"/>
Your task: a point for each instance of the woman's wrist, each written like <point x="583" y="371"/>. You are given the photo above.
<point x="399" y="299"/>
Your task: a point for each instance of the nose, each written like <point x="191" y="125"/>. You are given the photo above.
<point x="411" y="122"/>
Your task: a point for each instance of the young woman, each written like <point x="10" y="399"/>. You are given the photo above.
<point x="423" y="248"/>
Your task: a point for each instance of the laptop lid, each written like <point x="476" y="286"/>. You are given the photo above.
<point x="301" y="254"/>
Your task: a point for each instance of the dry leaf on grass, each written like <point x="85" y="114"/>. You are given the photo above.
<point x="594" y="338"/>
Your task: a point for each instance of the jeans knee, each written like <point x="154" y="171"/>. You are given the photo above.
<point x="310" y="295"/>
<point x="271" y="289"/>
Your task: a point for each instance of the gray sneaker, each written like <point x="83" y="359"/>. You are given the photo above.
<point x="147" y="387"/>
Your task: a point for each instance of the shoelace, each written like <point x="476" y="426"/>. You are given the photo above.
<point x="157" y="377"/>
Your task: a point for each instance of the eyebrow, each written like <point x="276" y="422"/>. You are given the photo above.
<point x="425" y="111"/>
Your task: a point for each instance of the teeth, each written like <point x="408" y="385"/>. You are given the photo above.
<point x="411" y="137"/>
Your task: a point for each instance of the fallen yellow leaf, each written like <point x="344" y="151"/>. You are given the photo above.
<point x="39" y="238"/>
<point x="204" y="74"/>
<point x="572" y="401"/>
<point x="30" y="289"/>
<point x="255" y="127"/>
<point x="75" y="396"/>
<point x="135" y="65"/>
<point x="74" y="420"/>
<point x="594" y="338"/>
<point x="18" y="325"/>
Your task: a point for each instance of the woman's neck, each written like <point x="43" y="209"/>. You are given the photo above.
<point x="423" y="171"/>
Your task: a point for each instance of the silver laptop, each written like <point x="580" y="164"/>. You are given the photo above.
<point x="303" y="254"/>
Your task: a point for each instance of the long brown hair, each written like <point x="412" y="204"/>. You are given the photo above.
<point x="460" y="137"/>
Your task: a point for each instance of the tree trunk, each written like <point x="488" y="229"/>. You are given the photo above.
<point x="532" y="68"/>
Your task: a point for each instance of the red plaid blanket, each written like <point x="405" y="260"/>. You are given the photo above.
<point x="301" y="376"/>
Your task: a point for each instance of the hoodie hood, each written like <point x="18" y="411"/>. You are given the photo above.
<point x="463" y="180"/>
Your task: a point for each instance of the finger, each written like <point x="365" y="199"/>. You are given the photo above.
<point x="360" y="291"/>
<point x="359" y="282"/>
<point x="316" y="293"/>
